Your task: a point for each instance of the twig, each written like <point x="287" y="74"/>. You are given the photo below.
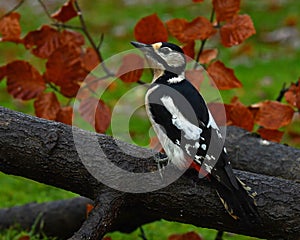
<point x="203" y="41"/>
<point x="87" y="34"/>
<point x="13" y="9"/>
<point x="142" y="235"/>
<point x="219" y="235"/>
<point x="46" y="10"/>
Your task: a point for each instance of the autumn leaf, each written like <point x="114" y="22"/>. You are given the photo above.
<point x="225" y="10"/>
<point x="90" y="59"/>
<point x="270" y="134"/>
<point x="45" y="41"/>
<point x="195" y="76"/>
<point x="150" y="29"/>
<point x="208" y="55"/>
<point x="95" y="112"/>
<point x="198" y="1"/>
<point x="89" y="208"/>
<point x="10" y="28"/>
<point x="23" y="80"/>
<point x="131" y="69"/>
<point x="198" y="29"/>
<point x="66" y="12"/>
<point x="239" y="115"/>
<point x="47" y="106"/>
<point x="64" y="115"/>
<point x="65" y="68"/>
<point x="292" y="96"/>
<point x="237" y="30"/>
<point x="273" y="114"/>
<point x="2" y="72"/>
<point x="189" y="50"/>
<point x="185" y="236"/>
<point x="218" y="111"/>
<point x="223" y="77"/>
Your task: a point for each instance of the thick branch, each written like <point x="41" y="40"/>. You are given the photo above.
<point x="44" y="151"/>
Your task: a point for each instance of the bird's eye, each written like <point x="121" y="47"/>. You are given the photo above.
<point x="165" y="50"/>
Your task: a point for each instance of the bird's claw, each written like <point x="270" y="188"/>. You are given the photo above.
<point x="162" y="161"/>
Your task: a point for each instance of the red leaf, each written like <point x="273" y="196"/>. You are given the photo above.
<point x="96" y="112"/>
<point x="222" y="76"/>
<point x="208" y="55"/>
<point x="47" y="106"/>
<point x="274" y="115"/>
<point x="292" y="96"/>
<point x="64" y="68"/>
<point x="64" y="115"/>
<point x="131" y="69"/>
<point x="23" y="80"/>
<point x="2" y="72"/>
<point x="10" y="28"/>
<point x="239" y="115"/>
<point x="89" y="208"/>
<point x="198" y="1"/>
<point x="195" y="76"/>
<point x="90" y="59"/>
<point x="198" y="29"/>
<point x="66" y="12"/>
<point x="237" y="30"/>
<point x="270" y="134"/>
<point x="185" y="236"/>
<point x="218" y="110"/>
<point x="45" y="41"/>
<point x="189" y="50"/>
<point x="150" y="29"/>
<point x="225" y="10"/>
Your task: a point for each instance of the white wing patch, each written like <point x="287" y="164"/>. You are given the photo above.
<point x="212" y="123"/>
<point x="191" y="132"/>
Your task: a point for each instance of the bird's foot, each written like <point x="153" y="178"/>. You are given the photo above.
<point x="162" y="161"/>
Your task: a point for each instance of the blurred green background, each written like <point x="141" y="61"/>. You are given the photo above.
<point x="263" y="64"/>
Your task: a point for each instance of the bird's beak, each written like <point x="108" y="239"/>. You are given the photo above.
<point x="140" y="45"/>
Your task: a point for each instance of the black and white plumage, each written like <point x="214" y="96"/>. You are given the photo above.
<point x="187" y="131"/>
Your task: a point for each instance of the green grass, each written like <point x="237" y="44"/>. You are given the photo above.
<point x="262" y="73"/>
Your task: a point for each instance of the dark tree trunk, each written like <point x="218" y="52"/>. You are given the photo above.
<point x="44" y="151"/>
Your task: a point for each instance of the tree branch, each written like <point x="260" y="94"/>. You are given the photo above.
<point x="44" y="151"/>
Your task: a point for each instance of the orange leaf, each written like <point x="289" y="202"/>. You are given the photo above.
<point x="217" y="110"/>
<point x="64" y="115"/>
<point x="66" y="12"/>
<point x="185" y="236"/>
<point x="131" y="69"/>
<point x="189" y="50"/>
<point x="273" y="115"/>
<point x="45" y="41"/>
<point x="89" y="208"/>
<point x="239" y="115"/>
<point x="23" y="80"/>
<point x="208" y="55"/>
<point x="195" y="76"/>
<point x="96" y="112"/>
<point x="223" y="77"/>
<point x="292" y="96"/>
<point x="237" y="30"/>
<point x="2" y="72"/>
<point x="90" y="59"/>
<point x="270" y="134"/>
<point x="10" y="28"/>
<point x="150" y="29"/>
<point x="198" y="29"/>
<point x="47" y="106"/>
<point x="225" y="10"/>
<point x="64" y="68"/>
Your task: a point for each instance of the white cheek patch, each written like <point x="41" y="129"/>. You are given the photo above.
<point x="191" y="132"/>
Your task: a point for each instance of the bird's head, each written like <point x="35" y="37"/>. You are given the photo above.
<point x="162" y="57"/>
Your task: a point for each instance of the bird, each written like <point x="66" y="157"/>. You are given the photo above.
<point x="187" y="130"/>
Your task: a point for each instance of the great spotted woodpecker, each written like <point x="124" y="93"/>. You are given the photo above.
<point x="187" y="131"/>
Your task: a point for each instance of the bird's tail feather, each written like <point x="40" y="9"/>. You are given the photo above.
<point x="239" y="202"/>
